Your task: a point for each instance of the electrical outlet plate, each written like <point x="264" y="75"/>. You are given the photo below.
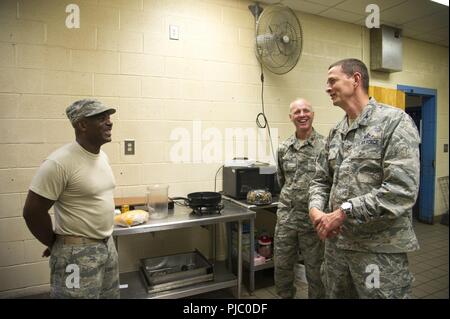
<point x="173" y="32"/>
<point x="129" y="147"/>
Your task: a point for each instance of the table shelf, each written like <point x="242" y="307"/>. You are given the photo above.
<point x="136" y="289"/>
<point x="181" y="217"/>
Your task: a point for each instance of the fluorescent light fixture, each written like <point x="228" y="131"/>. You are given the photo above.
<point x="444" y="2"/>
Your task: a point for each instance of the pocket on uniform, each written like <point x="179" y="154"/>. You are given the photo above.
<point x="290" y="166"/>
<point x="368" y="151"/>
<point x="60" y="258"/>
<point x="58" y="266"/>
<point x="366" y="168"/>
<point x="282" y="216"/>
<point x="395" y="274"/>
<point x="332" y="154"/>
<point x="309" y="170"/>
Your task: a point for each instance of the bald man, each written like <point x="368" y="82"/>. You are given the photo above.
<point x="294" y="232"/>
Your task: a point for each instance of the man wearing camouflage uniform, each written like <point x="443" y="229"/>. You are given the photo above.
<point x="367" y="179"/>
<point x="78" y="181"/>
<point x="294" y="232"/>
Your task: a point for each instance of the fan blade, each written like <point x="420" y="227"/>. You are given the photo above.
<point x="276" y="42"/>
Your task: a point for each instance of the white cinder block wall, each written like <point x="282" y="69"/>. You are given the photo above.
<point x="122" y="55"/>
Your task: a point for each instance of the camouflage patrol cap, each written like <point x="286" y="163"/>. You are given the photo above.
<point x="86" y="108"/>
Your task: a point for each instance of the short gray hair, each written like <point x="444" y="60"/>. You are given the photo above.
<point x="350" y="66"/>
<point x="300" y="99"/>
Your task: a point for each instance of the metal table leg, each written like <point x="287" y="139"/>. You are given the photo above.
<point x="239" y="259"/>
<point x="229" y="245"/>
<point x="116" y="243"/>
<point x="214" y="243"/>
<point x="252" y="256"/>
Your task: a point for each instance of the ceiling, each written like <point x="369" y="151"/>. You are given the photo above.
<point x="419" y="19"/>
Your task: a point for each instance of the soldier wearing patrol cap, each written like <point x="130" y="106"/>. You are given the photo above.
<point x="361" y="197"/>
<point x="294" y="232"/>
<point x="78" y="182"/>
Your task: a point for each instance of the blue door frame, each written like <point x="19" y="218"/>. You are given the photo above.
<point x="428" y="150"/>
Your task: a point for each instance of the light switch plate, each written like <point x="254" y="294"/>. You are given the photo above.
<point x="174" y="32"/>
<point x="129" y="147"/>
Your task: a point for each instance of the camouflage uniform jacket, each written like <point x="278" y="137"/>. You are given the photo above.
<point x="296" y="167"/>
<point x="374" y="164"/>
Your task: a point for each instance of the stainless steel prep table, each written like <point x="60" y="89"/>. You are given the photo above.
<point x="181" y="218"/>
<point x="251" y="264"/>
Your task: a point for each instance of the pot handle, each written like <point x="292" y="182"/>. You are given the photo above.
<point x="184" y="199"/>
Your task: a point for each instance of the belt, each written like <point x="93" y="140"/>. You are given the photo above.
<point x="78" y="240"/>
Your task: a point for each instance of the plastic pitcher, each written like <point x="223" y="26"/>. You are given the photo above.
<point x="157" y="201"/>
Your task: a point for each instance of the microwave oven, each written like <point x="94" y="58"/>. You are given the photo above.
<point x="238" y="181"/>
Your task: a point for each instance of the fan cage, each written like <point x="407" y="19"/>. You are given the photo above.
<point x="279" y="55"/>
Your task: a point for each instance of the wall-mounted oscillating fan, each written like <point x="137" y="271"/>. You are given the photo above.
<point x="279" y="37"/>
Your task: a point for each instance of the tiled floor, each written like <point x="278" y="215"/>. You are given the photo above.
<point x="430" y="266"/>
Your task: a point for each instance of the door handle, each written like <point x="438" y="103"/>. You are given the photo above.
<point x="433" y="163"/>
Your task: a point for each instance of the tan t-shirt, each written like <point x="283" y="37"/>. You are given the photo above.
<point x="82" y="185"/>
<point x="302" y="142"/>
<point x="350" y="121"/>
